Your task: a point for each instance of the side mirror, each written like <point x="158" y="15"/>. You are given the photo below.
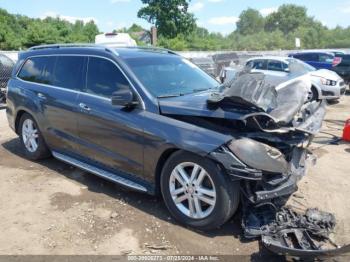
<point x="123" y="97"/>
<point x="287" y="70"/>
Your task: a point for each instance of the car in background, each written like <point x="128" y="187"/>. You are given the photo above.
<point x="319" y="60"/>
<point x="115" y="40"/>
<point x="326" y="84"/>
<point x="207" y="64"/>
<point x="337" y="53"/>
<point x="342" y="67"/>
<point x="6" y="66"/>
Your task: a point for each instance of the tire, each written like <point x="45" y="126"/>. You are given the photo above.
<point x="31" y="152"/>
<point x="227" y="193"/>
<point x="314" y="94"/>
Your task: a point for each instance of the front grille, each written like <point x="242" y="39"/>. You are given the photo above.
<point x="341" y="83"/>
<point x="327" y="93"/>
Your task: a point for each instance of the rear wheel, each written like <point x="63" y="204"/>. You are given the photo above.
<point x="196" y="192"/>
<point x="31" y="139"/>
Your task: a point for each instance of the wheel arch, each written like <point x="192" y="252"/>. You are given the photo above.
<point x="18" y="117"/>
<point x="160" y="164"/>
<point x="317" y="88"/>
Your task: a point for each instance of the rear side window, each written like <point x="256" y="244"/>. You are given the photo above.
<point x="104" y="77"/>
<point x="68" y="72"/>
<point x="325" y="58"/>
<point x="307" y="57"/>
<point x="275" y="65"/>
<point x="32" y="70"/>
<point x="61" y="71"/>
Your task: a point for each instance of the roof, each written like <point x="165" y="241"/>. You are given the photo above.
<point x="124" y="52"/>
<point x="312" y="52"/>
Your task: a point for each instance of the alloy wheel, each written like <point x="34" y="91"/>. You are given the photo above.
<point x="192" y="190"/>
<point x="30" y="135"/>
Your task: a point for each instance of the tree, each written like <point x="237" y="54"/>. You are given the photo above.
<point x="171" y="17"/>
<point x="287" y="18"/>
<point x="250" y="22"/>
<point x="135" y="28"/>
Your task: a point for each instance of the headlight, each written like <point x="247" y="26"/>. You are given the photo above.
<point x="258" y="155"/>
<point x="328" y="82"/>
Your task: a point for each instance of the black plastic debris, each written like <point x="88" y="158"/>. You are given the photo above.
<point x="286" y="232"/>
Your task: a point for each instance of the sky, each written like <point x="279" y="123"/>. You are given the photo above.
<point x="215" y="15"/>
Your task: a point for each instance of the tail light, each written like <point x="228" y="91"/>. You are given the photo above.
<point x="346" y="131"/>
<point x="336" y="61"/>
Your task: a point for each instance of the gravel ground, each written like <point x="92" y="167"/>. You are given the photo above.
<point x="49" y="207"/>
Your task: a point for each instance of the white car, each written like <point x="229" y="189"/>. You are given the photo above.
<point x="115" y="40"/>
<point x="326" y="84"/>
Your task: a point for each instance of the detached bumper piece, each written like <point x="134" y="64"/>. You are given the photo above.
<point x="286" y="232"/>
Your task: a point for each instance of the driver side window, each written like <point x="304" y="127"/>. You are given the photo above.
<point x="104" y="78"/>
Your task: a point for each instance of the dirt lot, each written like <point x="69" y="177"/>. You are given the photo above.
<point x="49" y="207"/>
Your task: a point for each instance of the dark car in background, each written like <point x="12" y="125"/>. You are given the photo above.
<point x="319" y="60"/>
<point x="152" y="121"/>
<point x="6" y="66"/>
<point x="342" y="67"/>
<point x="207" y="64"/>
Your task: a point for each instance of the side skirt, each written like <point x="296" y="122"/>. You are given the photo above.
<point x="100" y="172"/>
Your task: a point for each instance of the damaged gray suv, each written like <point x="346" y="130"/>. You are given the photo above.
<point x="150" y="120"/>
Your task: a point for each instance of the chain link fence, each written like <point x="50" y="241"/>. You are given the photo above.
<point x="6" y="66"/>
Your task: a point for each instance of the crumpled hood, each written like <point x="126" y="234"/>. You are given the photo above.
<point x="325" y="73"/>
<point x="196" y="105"/>
<point x="285" y="105"/>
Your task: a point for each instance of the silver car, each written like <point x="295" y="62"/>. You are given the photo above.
<point x="326" y="84"/>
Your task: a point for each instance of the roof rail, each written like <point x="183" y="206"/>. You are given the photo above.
<point x="151" y="48"/>
<point x="64" y="46"/>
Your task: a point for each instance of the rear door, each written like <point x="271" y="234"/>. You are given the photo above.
<point x="112" y="136"/>
<point x="55" y="82"/>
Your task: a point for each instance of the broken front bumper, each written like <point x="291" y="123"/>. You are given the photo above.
<point x="260" y="186"/>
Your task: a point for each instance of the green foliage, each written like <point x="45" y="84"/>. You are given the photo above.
<point x="171" y="17"/>
<point x="20" y="32"/>
<point x="250" y="22"/>
<point x="177" y="30"/>
<point x="287" y="19"/>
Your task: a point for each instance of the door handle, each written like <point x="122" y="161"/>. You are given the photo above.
<point x="41" y="96"/>
<point x="84" y="107"/>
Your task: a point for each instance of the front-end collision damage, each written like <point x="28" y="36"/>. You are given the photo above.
<point x="268" y="178"/>
<point x="265" y="173"/>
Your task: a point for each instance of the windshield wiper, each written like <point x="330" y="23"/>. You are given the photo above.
<point x="172" y="95"/>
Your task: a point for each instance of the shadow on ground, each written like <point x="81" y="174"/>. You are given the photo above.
<point x="152" y="205"/>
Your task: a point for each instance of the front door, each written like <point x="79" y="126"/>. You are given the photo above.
<point x="111" y="136"/>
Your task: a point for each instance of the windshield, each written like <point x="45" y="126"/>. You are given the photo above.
<point x="170" y="75"/>
<point x="298" y="66"/>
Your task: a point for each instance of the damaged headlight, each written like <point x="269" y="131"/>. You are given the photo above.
<point x="258" y="155"/>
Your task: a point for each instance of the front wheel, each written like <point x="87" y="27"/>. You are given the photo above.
<point x="196" y="191"/>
